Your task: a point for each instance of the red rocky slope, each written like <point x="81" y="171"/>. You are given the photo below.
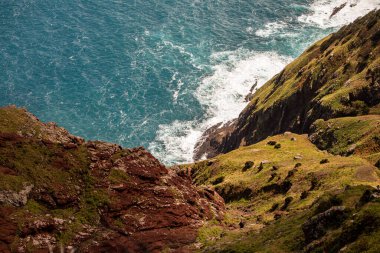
<point x="57" y="190"/>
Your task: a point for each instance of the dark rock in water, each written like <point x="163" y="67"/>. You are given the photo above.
<point x="211" y="139"/>
<point x="317" y="226"/>
<point x="249" y="96"/>
<point x="337" y="9"/>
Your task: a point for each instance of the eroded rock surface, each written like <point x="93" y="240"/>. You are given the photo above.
<point x="60" y="191"/>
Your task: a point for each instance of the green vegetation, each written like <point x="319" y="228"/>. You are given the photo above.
<point x="358" y="230"/>
<point x="278" y="192"/>
<point x="349" y="135"/>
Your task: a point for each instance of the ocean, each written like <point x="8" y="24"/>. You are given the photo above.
<point x="152" y="73"/>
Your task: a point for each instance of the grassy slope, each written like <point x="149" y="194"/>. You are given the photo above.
<point x="50" y="167"/>
<point x="349" y="135"/>
<point x="336" y="77"/>
<point x="337" y="60"/>
<point x="251" y="193"/>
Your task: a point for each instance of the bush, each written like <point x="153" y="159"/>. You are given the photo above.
<point x="272" y="143"/>
<point x="274" y="207"/>
<point x="274" y="168"/>
<point x="291" y="173"/>
<point x="218" y="180"/>
<point x="248" y="165"/>
<point x="260" y="168"/>
<point x="360" y="107"/>
<point x="323" y="161"/>
<point x="272" y="176"/>
<point x="377" y="164"/>
<point x="304" y="195"/>
<point x="287" y="202"/>
<point x="298" y="165"/>
<point x="277" y="146"/>
<point x="314" y="183"/>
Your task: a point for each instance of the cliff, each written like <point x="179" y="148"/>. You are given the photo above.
<point x="336" y="77"/>
<point x="299" y="167"/>
<point x="60" y="191"/>
<point x="283" y="194"/>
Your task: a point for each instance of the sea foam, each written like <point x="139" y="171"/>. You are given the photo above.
<point x="321" y="11"/>
<point x="222" y="96"/>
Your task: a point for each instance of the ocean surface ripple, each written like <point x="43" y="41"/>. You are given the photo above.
<point x="153" y="73"/>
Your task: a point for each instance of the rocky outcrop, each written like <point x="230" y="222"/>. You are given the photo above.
<point x="338" y="76"/>
<point x="316" y="227"/>
<point x="58" y="190"/>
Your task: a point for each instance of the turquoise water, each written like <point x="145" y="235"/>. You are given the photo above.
<point x="151" y="73"/>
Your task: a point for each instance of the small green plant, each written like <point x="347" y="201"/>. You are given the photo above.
<point x="277" y="146"/>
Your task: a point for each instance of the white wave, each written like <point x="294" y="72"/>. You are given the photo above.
<point x="321" y="10"/>
<point x="222" y="95"/>
<point x="270" y="29"/>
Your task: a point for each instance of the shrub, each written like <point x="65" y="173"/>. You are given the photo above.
<point x="360" y="107"/>
<point x="272" y="176"/>
<point x="277" y="146"/>
<point x="287" y="202"/>
<point x="377" y="164"/>
<point x="291" y="173"/>
<point x="274" y="168"/>
<point x="218" y="180"/>
<point x="274" y="207"/>
<point x="248" y="165"/>
<point x="260" y="168"/>
<point x="272" y="143"/>
<point x="314" y="183"/>
<point x="304" y="195"/>
<point x="323" y="161"/>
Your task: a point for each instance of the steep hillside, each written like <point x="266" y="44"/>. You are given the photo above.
<point x="57" y="190"/>
<point x="283" y="194"/>
<point x="336" y="77"/>
<point x="349" y="136"/>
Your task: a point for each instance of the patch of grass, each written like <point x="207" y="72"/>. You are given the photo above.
<point x="117" y="176"/>
<point x="209" y="234"/>
<point x="349" y="135"/>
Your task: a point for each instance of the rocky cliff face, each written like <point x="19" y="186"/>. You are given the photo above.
<point x="59" y="191"/>
<point x="337" y="76"/>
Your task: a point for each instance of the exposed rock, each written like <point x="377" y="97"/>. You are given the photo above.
<point x="293" y="99"/>
<point x="16" y="199"/>
<point x="316" y="227"/>
<point x="337" y="9"/>
<point x="134" y="202"/>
